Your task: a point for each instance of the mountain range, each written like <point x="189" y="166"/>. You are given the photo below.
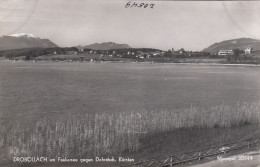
<point x="23" y="40"/>
<point x="240" y="43"/>
<point x="105" y="46"/>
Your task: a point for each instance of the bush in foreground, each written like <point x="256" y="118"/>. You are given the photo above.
<point x="106" y="133"/>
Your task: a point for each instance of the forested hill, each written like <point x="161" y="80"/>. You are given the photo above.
<point x="240" y="43"/>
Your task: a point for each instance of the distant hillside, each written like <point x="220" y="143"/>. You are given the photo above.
<point x="106" y="46"/>
<point x="240" y="43"/>
<point x="20" y="41"/>
<point x="137" y="49"/>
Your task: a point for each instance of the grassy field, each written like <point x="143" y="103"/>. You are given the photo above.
<point x="136" y="133"/>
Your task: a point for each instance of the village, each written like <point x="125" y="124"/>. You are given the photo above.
<point x="146" y="53"/>
<point x="155" y="55"/>
<point x="74" y="54"/>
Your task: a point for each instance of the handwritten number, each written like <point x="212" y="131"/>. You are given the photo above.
<point x="141" y="5"/>
<point x="127" y="5"/>
<point x="130" y="5"/>
<point x="134" y="5"/>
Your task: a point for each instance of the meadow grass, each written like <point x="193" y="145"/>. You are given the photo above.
<point x="104" y="134"/>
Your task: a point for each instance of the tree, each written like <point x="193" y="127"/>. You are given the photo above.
<point x="27" y="57"/>
<point x="237" y="55"/>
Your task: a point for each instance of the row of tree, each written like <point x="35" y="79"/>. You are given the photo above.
<point x="30" y="53"/>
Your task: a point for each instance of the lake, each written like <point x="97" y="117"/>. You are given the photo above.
<point x="33" y="91"/>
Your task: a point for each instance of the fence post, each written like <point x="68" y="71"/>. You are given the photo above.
<point x="199" y="155"/>
<point x="171" y="161"/>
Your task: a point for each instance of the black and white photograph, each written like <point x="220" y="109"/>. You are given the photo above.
<point x="117" y="83"/>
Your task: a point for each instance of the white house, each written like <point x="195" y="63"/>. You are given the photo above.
<point x="81" y="49"/>
<point x="248" y="51"/>
<point x="225" y="52"/>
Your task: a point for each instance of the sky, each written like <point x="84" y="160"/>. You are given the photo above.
<point x="192" y="25"/>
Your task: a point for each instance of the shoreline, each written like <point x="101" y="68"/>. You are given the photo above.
<point x="133" y="62"/>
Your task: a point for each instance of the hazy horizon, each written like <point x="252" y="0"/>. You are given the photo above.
<point x="192" y="25"/>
